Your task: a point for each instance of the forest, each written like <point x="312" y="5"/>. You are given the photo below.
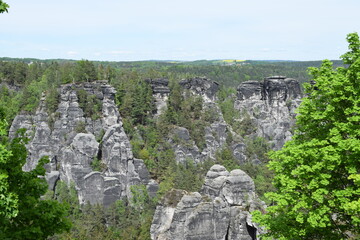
<point x="23" y="82"/>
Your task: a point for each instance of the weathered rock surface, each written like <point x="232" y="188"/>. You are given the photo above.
<point x="270" y="105"/>
<point x="215" y="134"/>
<point x="161" y="92"/>
<point x="219" y="211"/>
<point x="201" y="86"/>
<point x="71" y="152"/>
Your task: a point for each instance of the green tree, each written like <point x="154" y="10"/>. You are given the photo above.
<point x="23" y="215"/>
<point x="85" y="71"/>
<point x="317" y="173"/>
<point x="3" y="7"/>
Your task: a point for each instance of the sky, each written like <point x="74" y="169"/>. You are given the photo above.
<point x="130" y="30"/>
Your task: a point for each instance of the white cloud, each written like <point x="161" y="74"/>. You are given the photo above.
<point x="72" y="53"/>
<point x="120" y="52"/>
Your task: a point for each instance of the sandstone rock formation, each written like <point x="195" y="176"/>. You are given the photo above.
<point x="215" y="134"/>
<point x="161" y="92"/>
<point x="73" y="140"/>
<point x="270" y="105"/>
<point x="220" y="211"/>
<point x="201" y="86"/>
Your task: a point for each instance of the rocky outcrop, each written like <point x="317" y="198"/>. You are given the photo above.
<point x="220" y="211"/>
<point x="270" y="104"/>
<point x="201" y="86"/>
<point x="74" y="141"/>
<point x="161" y="92"/>
<point x="216" y="132"/>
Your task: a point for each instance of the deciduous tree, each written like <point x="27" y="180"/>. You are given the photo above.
<point x="3" y="6"/>
<point x="317" y="173"/>
<point x="23" y="215"/>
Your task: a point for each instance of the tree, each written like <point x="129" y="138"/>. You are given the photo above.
<point x="85" y="71"/>
<point x="23" y="215"/>
<point x="317" y="173"/>
<point x="3" y="6"/>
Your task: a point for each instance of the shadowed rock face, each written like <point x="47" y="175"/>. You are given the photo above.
<point x="270" y="105"/>
<point x="161" y="91"/>
<point x="219" y="211"/>
<point x="201" y="86"/>
<point x="251" y="90"/>
<point x="71" y="152"/>
<point x="273" y="88"/>
<point x="159" y="85"/>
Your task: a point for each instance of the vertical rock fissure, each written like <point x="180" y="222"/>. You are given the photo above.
<point x="227" y="232"/>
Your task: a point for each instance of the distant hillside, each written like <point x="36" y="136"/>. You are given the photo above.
<point x="229" y="73"/>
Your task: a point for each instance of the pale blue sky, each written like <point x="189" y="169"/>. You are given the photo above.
<point x="178" y="30"/>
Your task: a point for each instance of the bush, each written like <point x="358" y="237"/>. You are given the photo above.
<point x="80" y="127"/>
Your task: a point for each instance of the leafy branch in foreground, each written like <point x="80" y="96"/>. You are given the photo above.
<point x="317" y="173"/>
<point x="3" y="6"/>
<point x="23" y="215"/>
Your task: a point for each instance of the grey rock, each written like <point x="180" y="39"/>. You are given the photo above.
<point x="221" y="211"/>
<point x="201" y="86"/>
<point x="252" y="90"/>
<point x="51" y="178"/>
<point x="215" y="134"/>
<point x="161" y="93"/>
<point x="182" y="133"/>
<point x="71" y="153"/>
<point x="271" y="106"/>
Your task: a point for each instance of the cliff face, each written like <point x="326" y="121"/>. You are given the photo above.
<point x="94" y="152"/>
<point x="220" y="211"/>
<point x="74" y="142"/>
<point x="215" y="133"/>
<point x="270" y="104"/>
<point x="161" y="92"/>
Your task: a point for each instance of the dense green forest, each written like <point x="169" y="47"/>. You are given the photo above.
<point x="24" y="81"/>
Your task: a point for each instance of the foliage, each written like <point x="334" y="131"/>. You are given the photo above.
<point x="89" y="103"/>
<point x="31" y="95"/>
<point x="262" y="177"/>
<point x="23" y="215"/>
<point x="317" y="172"/>
<point x="3" y="7"/>
<point x="52" y="100"/>
<point x="226" y="158"/>
<point x="257" y="147"/>
<point x="97" y="165"/>
<point x="80" y="127"/>
<point x="85" y="71"/>
<point x="136" y="101"/>
<point x="186" y="110"/>
<point x="187" y="177"/>
<point x="122" y="220"/>
<point x="9" y="101"/>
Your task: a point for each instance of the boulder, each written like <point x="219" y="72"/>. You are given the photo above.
<point x="219" y="211"/>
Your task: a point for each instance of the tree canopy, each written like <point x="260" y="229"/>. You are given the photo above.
<point x="317" y="173"/>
